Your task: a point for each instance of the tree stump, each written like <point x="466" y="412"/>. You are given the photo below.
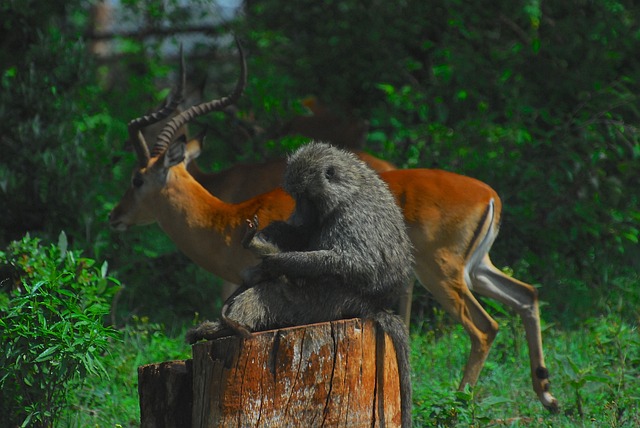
<point x="321" y="374"/>
<point x="314" y="375"/>
<point x="165" y="393"/>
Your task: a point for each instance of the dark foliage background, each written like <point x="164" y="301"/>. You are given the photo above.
<point x="537" y="99"/>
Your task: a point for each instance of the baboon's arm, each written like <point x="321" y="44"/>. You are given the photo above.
<point x="277" y="237"/>
<point x="304" y="263"/>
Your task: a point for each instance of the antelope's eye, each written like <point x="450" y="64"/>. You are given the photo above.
<point x="330" y="172"/>
<point x="137" y="180"/>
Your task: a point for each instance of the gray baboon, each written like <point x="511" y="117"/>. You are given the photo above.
<point x="343" y="253"/>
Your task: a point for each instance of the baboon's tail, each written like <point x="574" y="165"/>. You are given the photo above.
<point x="395" y="328"/>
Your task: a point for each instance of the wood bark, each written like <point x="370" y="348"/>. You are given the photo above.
<point x="309" y="376"/>
<point x="316" y="375"/>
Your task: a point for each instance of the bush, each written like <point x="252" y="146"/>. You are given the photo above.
<point x="51" y="327"/>
<point x="114" y="401"/>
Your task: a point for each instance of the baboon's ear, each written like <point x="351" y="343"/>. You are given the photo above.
<point x="175" y="152"/>
<point x="330" y="172"/>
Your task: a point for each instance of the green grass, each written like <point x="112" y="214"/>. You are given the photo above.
<point x="114" y="401"/>
<point x="595" y="374"/>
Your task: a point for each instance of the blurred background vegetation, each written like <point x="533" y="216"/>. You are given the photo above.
<point x="538" y="99"/>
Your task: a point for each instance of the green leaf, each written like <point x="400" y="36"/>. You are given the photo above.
<point x="103" y="269"/>
<point x="62" y="244"/>
<point x="494" y="400"/>
<point x="386" y="88"/>
<point x="36" y="287"/>
<point x="46" y="354"/>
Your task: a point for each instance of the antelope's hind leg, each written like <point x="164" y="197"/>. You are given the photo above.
<point x="451" y="291"/>
<point x="488" y="281"/>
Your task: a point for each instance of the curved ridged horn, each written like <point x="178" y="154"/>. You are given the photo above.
<point x="178" y="121"/>
<point x="136" y="125"/>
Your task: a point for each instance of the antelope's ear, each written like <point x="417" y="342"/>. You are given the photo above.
<point x="193" y="148"/>
<point x="175" y="152"/>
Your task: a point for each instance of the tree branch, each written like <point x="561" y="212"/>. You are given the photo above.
<point x="155" y="32"/>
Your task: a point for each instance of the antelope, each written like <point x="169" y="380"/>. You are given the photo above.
<point x="452" y="221"/>
<point x="244" y="181"/>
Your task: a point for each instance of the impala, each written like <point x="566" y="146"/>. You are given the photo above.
<point x="452" y="221"/>
<point x="244" y="181"/>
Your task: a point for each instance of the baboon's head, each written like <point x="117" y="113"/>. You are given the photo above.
<point x="324" y="176"/>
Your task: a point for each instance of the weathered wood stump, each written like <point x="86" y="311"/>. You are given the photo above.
<point x="321" y="374"/>
<point x="165" y="391"/>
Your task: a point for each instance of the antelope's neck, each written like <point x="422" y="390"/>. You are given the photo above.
<point x="203" y="227"/>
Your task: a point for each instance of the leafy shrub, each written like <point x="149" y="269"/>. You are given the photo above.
<point x="57" y="133"/>
<point x="114" y="401"/>
<point x="51" y="327"/>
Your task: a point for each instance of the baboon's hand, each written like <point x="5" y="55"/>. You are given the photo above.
<point x="257" y="242"/>
<point x="252" y="229"/>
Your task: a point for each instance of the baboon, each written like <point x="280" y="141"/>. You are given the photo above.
<point x="345" y="245"/>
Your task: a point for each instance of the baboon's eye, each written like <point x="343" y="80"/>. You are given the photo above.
<point x="137" y="180"/>
<point x="330" y="172"/>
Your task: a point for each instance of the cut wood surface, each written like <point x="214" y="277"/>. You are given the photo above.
<point x="316" y="375"/>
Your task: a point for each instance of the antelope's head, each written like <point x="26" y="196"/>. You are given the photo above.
<point x="154" y="170"/>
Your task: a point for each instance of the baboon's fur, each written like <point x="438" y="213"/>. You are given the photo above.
<point x="343" y="253"/>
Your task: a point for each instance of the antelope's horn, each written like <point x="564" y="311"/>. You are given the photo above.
<point x="136" y="125"/>
<point x="169" y="130"/>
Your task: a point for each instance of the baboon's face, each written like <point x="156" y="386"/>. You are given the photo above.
<point x="321" y="177"/>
